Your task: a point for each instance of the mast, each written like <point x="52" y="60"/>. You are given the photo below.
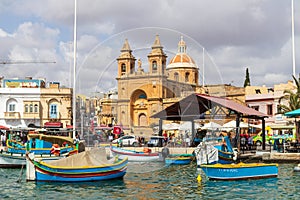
<point x="293" y="41"/>
<point x="203" y="68"/>
<point x="74" y="70"/>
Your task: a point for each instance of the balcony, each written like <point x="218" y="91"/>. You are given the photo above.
<point x="12" y="115"/>
<point x="31" y="115"/>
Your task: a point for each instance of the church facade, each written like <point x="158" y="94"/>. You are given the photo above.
<point x="146" y="90"/>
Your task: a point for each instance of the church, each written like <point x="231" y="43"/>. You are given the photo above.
<point x="144" y="90"/>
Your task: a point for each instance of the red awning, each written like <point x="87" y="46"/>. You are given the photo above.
<point x="69" y="126"/>
<point x="4" y="128"/>
<point x="53" y="125"/>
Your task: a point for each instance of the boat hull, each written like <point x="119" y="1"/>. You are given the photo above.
<point x="240" y="171"/>
<point x="17" y="160"/>
<point x="178" y="161"/>
<point x="134" y="156"/>
<point x="41" y="171"/>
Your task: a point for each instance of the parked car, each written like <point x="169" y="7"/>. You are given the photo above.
<point x="127" y="140"/>
<point x="155" y="141"/>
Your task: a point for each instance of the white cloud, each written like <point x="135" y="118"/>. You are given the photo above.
<point x="236" y="34"/>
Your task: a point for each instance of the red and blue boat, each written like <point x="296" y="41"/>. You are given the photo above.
<point x="86" y="166"/>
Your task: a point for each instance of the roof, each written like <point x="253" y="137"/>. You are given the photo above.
<point x="195" y="105"/>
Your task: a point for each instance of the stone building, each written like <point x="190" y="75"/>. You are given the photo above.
<point x="30" y="103"/>
<point x="150" y="88"/>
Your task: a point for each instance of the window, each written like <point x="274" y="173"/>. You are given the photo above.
<point x="26" y="108"/>
<point x="257" y="91"/>
<point x="11" y="107"/>
<point x="270" y="109"/>
<point x="187" y="74"/>
<point x="255" y="107"/>
<point x="123" y="68"/>
<point x="53" y="111"/>
<point x="154" y="66"/>
<point x="143" y="96"/>
<point x="30" y="108"/>
<point x="176" y="76"/>
<point x="36" y="108"/>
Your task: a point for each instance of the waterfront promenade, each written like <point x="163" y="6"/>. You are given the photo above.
<point x="245" y="156"/>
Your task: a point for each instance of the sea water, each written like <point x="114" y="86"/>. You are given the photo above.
<point x="154" y="181"/>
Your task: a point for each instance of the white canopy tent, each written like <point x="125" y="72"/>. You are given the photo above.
<point x="171" y="126"/>
<point x="211" y="126"/>
<point x="187" y="125"/>
<point x="232" y="125"/>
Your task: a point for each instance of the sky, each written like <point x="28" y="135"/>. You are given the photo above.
<point x="223" y="37"/>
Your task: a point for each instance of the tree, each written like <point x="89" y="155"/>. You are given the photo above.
<point x="247" y="80"/>
<point x="293" y="99"/>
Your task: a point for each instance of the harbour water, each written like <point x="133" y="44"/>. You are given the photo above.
<point x="154" y="181"/>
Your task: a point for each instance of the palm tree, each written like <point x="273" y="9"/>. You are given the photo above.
<point x="293" y="99"/>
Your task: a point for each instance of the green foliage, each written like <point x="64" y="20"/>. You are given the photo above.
<point x="247" y="79"/>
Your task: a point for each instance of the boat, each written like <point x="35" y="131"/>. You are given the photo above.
<point x="207" y="160"/>
<point x="225" y="153"/>
<point x="91" y="165"/>
<point x="297" y="168"/>
<point x="132" y="155"/>
<point x="41" y="145"/>
<point x="240" y="171"/>
<point x="178" y="160"/>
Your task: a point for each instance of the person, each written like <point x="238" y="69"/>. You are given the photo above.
<point x="3" y="139"/>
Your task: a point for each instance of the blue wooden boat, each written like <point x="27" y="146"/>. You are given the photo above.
<point x="39" y="144"/>
<point x="178" y="160"/>
<point x="89" y="165"/>
<point x="239" y="171"/>
<point x="224" y="153"/>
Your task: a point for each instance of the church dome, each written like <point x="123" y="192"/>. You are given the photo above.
<point x="182" y="59"/>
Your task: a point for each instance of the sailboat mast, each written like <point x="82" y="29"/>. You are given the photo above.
<point x="74" y="69"/>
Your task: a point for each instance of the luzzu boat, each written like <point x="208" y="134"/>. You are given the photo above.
<point x="138" y="156"/>
<point x="240" y="171"/>
<point x="178" y="160"/>
<point x="222" y="150"/>
<point x="40" y="145"/>
<point x="89" y="165"/>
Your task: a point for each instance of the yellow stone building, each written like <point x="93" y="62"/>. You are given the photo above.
<point x="146" y="89"/>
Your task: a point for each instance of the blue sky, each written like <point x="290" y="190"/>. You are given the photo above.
<point x="235" y="34"/>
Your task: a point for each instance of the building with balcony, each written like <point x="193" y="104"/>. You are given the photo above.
<point x="31" y="103"/>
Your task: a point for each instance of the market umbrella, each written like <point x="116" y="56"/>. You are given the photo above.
<point x="211" y="126"/>
<point x="294" y="113"/>
<point x="172" y="126"/>
<point x="4" y="128"/>
<point x="188" y="126"/>
<point x="232" y="124"/>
